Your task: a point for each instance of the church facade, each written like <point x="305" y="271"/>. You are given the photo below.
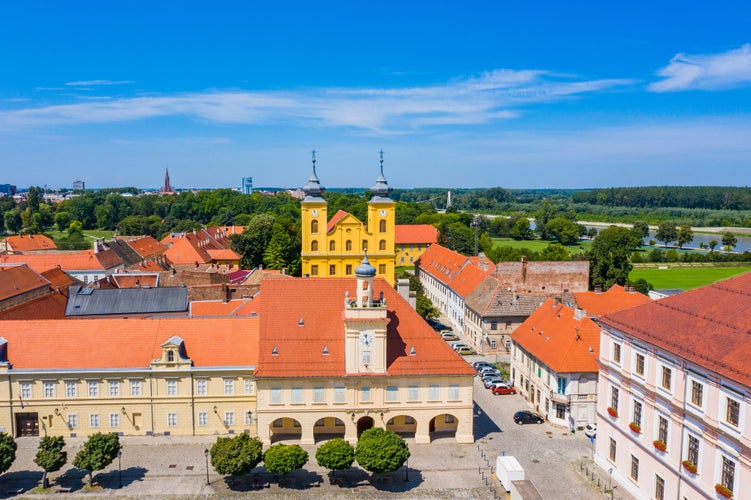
<point x="335" y="247"/>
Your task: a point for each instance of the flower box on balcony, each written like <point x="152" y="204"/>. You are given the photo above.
<point x="722" y="490"/>
<point x="689" y="466"/>
<point x="635" y="427"/>
<point x="660" y="445"/>
<point x="612" y="412"/>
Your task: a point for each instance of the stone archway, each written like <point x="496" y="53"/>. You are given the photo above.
<point x="328" y="428"/>
<point x="363" y="425"/>
<point x="404" y="425"/>
<point x="283" y="429"/>
<point x="443" y="426"/>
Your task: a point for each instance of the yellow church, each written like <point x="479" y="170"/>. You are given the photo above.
<point x="336" y="246"/>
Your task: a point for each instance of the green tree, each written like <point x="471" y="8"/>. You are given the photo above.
<point x="562" y="230"/>
<point x="712" y="245"/>
<point x="50" y="456"/>
<point x="380" y="450"/>
<point x="729" y="240"/>
<point x="642" y="286"/>
<point x="13" y="221"/>
<point x="554" y="251"/>
<point x="283" y="250"/>
<point x="609" y="257"/>
<point x="640" y="229"/>
<point x="237" y="455"/>
<point x="97" y="453"/>
<point x="592" y="232"/>
<point x="8" y="448"/>
<point x="252" y="243"/>
<point x="547" y="211"/>
<point x="62" y="221"/>
<point x="335" y="454"/>
<point x="75" y="228"/>
<point x="521" y="230"/>
<point x="283" y="459"/>
<point x="423" y="305"/>
<point x="666" y="232"/>
<point x="685" y="235"/>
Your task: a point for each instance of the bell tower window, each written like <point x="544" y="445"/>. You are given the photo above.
<point x="348" y="246"/>
<point x="332" y="246"/>
<point x="382" y="245"/>
<point x="382" y="226"/>
<point x="314" y="226"/>
<point x="314" y="246"/>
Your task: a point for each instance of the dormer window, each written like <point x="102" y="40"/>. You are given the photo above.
<point x="170" y="356"/>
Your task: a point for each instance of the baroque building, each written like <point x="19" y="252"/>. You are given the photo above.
<point x="336" y="246"/>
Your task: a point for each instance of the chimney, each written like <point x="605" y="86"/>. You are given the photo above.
<point x="598" y="288"/>
<point x="402" y="286"/>
<point x="524" y="269"/>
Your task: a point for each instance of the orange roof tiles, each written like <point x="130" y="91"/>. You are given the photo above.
<point x="441" y="263"/>
<point x="127" y="280"/>
<point x="615" y="299"/>
<point x="58" y="278"/>
<point x="84" y="260"/>
<point x="416" y="233"/>
<point x="50" y="306"/>
<point x="230" y="230"/>
<point x="338" y="216"/>
<point x="320" y="303"/>
<point x="148" y="265"/>
<point x="19" y="279"/>
<point x="708" y="326"/>
<point x="25" y="243"/>
<point x="468" y="278"/>
<point x="147" y="246"/>
<point x="224" y="255"/>
<point x="557" y="339"/>
<point x="132" y="343"/>
<point x="237" y="307"/>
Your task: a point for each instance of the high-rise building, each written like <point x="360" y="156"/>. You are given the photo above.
<point x="79" y="185"/>
<point x="247" y="185"/>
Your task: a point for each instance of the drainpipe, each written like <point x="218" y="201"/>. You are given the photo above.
<point x="10" y="407"/>
<point x="192" y="404"/>
<point x="683" y="417"/>
<point x="151" y="400"/>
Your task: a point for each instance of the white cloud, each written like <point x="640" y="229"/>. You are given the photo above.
<point x="706" y="72"/>
<point x="492" y="96"/>
<point x="91" y="83"/>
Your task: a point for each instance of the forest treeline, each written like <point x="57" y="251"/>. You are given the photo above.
<point x="704" y="197"/>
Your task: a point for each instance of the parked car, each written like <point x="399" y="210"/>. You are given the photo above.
<point x="477" y="364"/>
<point x="458" y="345"/>
<point x="489" y="382"/>
<point x="439" y="327"/>
<point x="449" y="336"/>
<point x="527" y="417"/>
<point x="466" y="351"/>
<point x="499" y="389"/>
<point x="489" y="371"/>
<point x="591" y="430"/>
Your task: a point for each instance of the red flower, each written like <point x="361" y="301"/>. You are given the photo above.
<point x="635" y="427"/>
<point x="722" y="490"/>
<point x="612" y="412"/>
<point x="660" y="445"/>
<point x="689" y="466"/>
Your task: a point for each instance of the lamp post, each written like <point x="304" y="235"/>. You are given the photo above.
<point x="119" y="469"/>
<point x="206" y="454"/>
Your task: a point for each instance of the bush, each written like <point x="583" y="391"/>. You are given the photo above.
<point x="283" y="459"/>
<point x="381" y="450"/>
<point x="8" y="448"/>
<point x="237" y="455"/>
<point x="335" y="454"/>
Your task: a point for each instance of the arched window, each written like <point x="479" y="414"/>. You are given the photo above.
<point x="314" y="226"/>
<point x="348" y="246"/>
<point x="332" y="246"/>
<point x="382" y="245"/>
<point x="382" y="226"/>
<point x="314" y="246"/>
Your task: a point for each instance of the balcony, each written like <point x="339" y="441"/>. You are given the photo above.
<point x="559" y="398"/>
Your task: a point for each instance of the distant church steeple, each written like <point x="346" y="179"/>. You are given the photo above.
<point x="167" y="187"/>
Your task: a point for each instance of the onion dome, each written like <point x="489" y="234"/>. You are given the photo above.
<point x="313" y="188"/>
<point x="365" y="270"/>
<point x="381" y="188"/>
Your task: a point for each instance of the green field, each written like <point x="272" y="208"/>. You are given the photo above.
<point x="537" y="245"/>
<point x="684" y="277"/>
<point x="88" y="233"/>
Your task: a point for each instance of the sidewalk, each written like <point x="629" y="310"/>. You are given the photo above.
<point x="175" y="467"/>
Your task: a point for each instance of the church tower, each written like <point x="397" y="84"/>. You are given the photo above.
<point x="365" y="325"/>
<point x="381" y="225"/>
<point x="167" y="188"/>
<point x="314" y="220"/>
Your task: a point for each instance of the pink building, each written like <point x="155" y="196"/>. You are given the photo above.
<point x="674" y="391"/>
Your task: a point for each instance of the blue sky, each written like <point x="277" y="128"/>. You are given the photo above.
<point x="470" y="94"/>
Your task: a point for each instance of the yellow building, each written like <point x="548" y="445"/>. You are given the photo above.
<point x="131" y="376"/>
<point x="336" y="247"/>
<point x="412" y="240"/>
<point x="347" y="355"/>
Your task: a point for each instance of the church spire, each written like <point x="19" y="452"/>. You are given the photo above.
<point x="313" y="188"/>
<point x="167" y="187"/>
<point x="381" y="188"/>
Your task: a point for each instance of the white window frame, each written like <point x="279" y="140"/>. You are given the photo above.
<point x="114" y="388"/>
<point x="634" y="358"/>
<point x="25" y="390"/>
<point x="135" y="388"/>
<point x="229" y="418"/>
<point x="392" y="393"/>
<point x="248" y="386"/>
<point x="172" y="420"/>
<point x="690" y="390"/>
<point x="94" y="421"/>
<point x="434" y="392"/>
<point x="365" y="396"/>
<point x="49" y="390"/>
<point x="71" y="389"/>
<point x="413" y="393"/>
<point x="454" y="394"/>
<point x="319" y="394"/>
<point x="114" y="420"/>
<point x="92" y="388"/>
<point x="72" y="420"/>
<point x="203" y="418"/>
<point x="617" y="347"/>
<point x="340" y="395"/>
<point x="229" y="387"/>
<point x="171" y="387"/>
<point x="202" y="387"/>
<point x="297" y="395"/>
<point x="248" y="417"/>
<point x="276" y="395"/>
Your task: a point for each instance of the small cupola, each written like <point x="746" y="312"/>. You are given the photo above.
<point x="365" y="273"/>
<point x="313" y="189"/>
<point x="381" y="188"/>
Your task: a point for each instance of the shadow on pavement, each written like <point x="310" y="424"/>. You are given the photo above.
<point x="130" y="475"/>
<point x="484" y="425"/>
<point x="15" y="483"/>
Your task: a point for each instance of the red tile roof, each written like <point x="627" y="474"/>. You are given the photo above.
<point x="127" y="280"/>
<point x="238" y="307"/>
<point x="25" y="243"/>
<point x="58" y="278"/>
<point x="338" y="217"/>
<point x="131" y="343"/>
<point x="550" y="334"/>
<point x="230" y="230"/>
<point x="320" y="303"/>
<point x="50" y="306"/>
<point x="615" y="299"/>
<point x="147" y="246"/>
<point x="19" y="279"/>
<point x="83" y="260"/>
<point x="441" y="263"/>
<point x="467" y="279"/>
<point x="148" y="265"/>
<point x="224" y="255"/>
<point x="416" y="233"/>
<point x="708" y="326"/>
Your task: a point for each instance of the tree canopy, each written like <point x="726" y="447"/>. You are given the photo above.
<point x="50" y="456"/>
<point x="237" y="455"/>
<point x="609" y="258"/>
<point x="8" y="448"/>
<point x="97" y="453"/>
<point x="381" y="450"/>
<point x="335" y="454"/>
<point x="283" y="459"/>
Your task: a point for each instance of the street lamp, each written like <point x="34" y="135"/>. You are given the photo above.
<point x="119" y="469"/>
<point x="206" y="454"/>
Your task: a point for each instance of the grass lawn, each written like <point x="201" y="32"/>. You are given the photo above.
<point x="684" y="278"/>
<point x="88" y="233"/>
<point x="537" y="245"/>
